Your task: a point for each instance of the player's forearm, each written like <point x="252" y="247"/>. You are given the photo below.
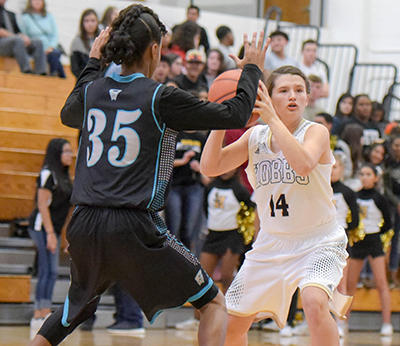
<point x="296" y="155"/>
<point x="210" y="164"/>
<point x="216" y="160"/>
<point x="72" y="114"/>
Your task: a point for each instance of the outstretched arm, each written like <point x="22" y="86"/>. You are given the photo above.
<point x="180" y="111"/>
<point x="216" y="160"/>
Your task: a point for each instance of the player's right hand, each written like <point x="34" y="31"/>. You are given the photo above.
<point x="263" y="105"/>
<point x="99" y="42"/>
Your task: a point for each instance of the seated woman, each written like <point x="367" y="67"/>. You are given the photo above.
<point x="82" y="43"/>
<point x="37" y="23"/>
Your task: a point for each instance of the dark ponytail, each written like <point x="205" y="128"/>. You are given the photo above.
<point x="135" y="28"/>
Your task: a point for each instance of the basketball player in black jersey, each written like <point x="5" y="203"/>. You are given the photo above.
<point x="129" y="124"/>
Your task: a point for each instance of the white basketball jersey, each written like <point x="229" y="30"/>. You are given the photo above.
<point x="286" y="201"/>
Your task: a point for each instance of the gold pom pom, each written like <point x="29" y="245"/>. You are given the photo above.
<point x="245" y="219"/>
<point x="386" y="239"/>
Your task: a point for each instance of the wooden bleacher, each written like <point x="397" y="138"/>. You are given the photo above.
<point x="29" y="118"/>
<point x="15" y="288"/>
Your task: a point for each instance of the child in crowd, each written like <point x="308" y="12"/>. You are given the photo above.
<point x="375" y="217"/>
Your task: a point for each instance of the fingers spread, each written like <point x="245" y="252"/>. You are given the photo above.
<point x="245" y="41"/>
<point x="267" y="42"/>
<point x="260" y="40"/>
<point x="254" y="38"/>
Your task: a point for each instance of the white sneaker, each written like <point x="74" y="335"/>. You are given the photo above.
<point x="271" y="326"/>
<point x="301" y="329"/>
<point x="191" y="324"/>
<point x="343" y="328"/>
<point x="386" y="340"/>
<point x="35" y="325"/>
<point x="286" y="332"/>
<point x="387" y="329"/>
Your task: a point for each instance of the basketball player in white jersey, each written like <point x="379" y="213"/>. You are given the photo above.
<point x="300" y="243"/>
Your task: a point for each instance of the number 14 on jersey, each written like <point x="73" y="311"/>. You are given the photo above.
<point x="280" y="203"/>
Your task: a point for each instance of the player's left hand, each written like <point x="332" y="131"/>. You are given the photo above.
<point x="263" y="105"/>
<point x="99" y="42"/>
<point x="254" y="52"/>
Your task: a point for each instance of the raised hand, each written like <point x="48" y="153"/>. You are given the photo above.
<point x="254" y="52"/>
<point x="263" y="105"/>
<point x="99" y="42"/>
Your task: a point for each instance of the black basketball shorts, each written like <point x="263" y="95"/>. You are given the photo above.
<point x="110" y="245"/>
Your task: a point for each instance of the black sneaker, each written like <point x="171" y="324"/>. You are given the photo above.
<point x="126" y="328"/>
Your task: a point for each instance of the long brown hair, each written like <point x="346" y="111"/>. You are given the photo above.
<point x="83" y="34"/>
<point x="222" y="65"/>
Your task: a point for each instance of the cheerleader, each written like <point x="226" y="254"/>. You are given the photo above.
<point x="375" y="216"/>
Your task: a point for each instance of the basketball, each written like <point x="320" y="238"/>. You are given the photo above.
<point x="224" y="88"/>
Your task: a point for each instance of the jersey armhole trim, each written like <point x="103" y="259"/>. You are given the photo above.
<point x="84" y="107"/>
<point x="153" y="108"/>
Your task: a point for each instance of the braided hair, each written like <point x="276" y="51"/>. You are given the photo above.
<point x="132" y="32"/>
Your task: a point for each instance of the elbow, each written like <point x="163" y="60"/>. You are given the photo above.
<point x="207" y="170"/>
<point x="63" y="118"/>
<point x="303" y="171"/>
<point x="304" y="168"/>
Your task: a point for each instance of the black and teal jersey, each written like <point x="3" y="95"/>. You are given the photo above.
<point x="129" y="126"/>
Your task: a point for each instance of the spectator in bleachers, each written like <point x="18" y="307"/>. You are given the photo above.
<point x="202" y="95"/>
<point x="82" y="43"/>
<point x="277" y="57"/>
<point x="378" y="117"/>
<point x="344" y="109"/>
<point x="38" y="24"/>
<point x="352" y="135"/>
<point x="109" y="15"/>
<point x="226" y="40"/>
<point x="310" y="66"/>
<point x="14" y="43"/>
<point x="192" y="14"/>
<point x="185" y="37"/>
<point x="312" y="109"/>
<point x="193" y="80"/>
<point x="184" y="203"/>
<point x="392" y="129"/>
<point x="215" y="65"/>
<point x="176" y="65"/>
<point x="166" y="42"/>
<point x="362" y="111"/>
<point x="337" y="145"/>
<point x="162" y="70"/>
<point x="53" y="195"/>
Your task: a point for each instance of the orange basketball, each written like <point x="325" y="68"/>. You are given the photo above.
<point x="224" y="88"/>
